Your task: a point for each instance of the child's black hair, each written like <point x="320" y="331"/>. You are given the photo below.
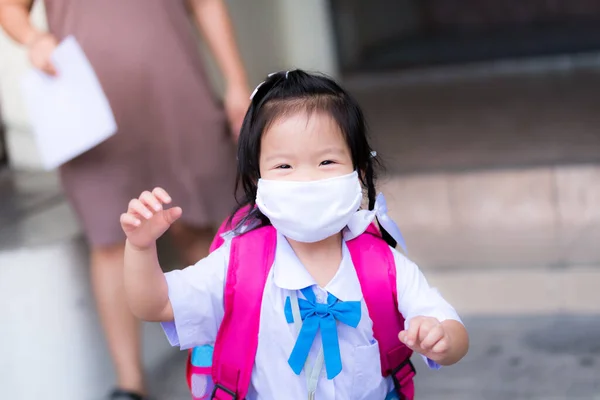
<point x="286" y="93"/>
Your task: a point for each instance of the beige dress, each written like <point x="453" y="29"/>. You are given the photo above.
<point x="172" y="130"/>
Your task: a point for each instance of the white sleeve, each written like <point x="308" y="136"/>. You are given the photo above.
<point x="417" y="298"/>
<point x="196" y="295"/>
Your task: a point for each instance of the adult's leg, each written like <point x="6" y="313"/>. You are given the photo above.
<point x="121" y="328"/>
<point x="99" y="184"/>
<point x="192" y="243"/>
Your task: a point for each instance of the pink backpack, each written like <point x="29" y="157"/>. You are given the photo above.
<point x="252" y="255"/>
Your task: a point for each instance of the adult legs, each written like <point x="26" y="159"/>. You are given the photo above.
<point x="121" y="328"/>
<point x="192" y="243"/>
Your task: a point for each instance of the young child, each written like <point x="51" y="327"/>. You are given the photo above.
<point x="304" y="162"/>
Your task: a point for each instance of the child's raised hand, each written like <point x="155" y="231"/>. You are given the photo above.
<point x="146" y="220"/>
<point x="426" y="335"/>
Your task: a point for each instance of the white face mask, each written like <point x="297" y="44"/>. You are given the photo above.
<point x="310" y="211"/>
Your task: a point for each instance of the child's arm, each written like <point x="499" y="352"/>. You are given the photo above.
<point x="433" y="328"/>
<point x="145" y="285"/>
<point x="188" y="302"/>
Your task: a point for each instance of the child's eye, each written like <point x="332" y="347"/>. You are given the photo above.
<point x="327" y="162"/>
<point x="283" y="166"/>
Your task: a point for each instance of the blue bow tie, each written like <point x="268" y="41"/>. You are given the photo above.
<point x="317" y="316"/>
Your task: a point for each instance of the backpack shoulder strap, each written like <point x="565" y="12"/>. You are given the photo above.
<point x="226" y="226"/>
<point x="217" y="242"/>
<point x="376" y="270"/>
<point x="251" y="258"/>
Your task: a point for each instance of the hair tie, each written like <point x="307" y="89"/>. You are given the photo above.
<point x="263" y="82"/>
<point x="256" y="90"/>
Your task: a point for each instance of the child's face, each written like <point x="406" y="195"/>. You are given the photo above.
<point x="304" y="147"/>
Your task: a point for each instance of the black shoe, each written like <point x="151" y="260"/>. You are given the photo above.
<point x="119" y="394"/>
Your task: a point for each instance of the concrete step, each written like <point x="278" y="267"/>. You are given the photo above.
<point x="473" y="122"/>
<point x="520" y="218"/>
<point x="520" y="291"/>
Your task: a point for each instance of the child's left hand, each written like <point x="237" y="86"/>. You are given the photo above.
<point x="427" y="336"/>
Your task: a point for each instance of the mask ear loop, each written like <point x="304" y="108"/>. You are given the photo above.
<point x="395" y="237"/>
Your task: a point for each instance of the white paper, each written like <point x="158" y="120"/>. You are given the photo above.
<point x="70" y="113"/>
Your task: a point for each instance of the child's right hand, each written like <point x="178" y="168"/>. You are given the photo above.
<point x="146" y="220"/>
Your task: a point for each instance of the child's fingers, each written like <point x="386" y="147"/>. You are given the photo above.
<point x="172" y="214"/>
<point x="136" y="206"/>
<point x="403" y="337"/>
<point x="434" y="335"/>
<point x="442" y="346"/>
<point x="162" y="195"/>
<point x="129" y="221"/>
<point x="412" y="333"/>
<point x="149" y="200"/>
<point x="425" y="326"/>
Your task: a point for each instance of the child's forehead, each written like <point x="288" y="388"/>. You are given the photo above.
<point x="310" y="128"/>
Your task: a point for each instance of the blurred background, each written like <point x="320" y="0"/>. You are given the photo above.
<point x="486" y="115"/>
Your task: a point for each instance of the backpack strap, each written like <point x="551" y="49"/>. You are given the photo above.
<point x="251" y="258"/>
<point x="378" y="284"/>
<point x="216" y="243"/>
<point x="226" y="227"/>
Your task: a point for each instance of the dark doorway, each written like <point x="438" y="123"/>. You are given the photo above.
<point x="491" y="121"/>
<point x="380" y="35"/>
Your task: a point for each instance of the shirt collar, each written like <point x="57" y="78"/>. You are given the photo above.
<point x="290" y="274"/>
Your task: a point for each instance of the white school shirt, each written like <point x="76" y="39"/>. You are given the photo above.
<point x="196" y="295"/>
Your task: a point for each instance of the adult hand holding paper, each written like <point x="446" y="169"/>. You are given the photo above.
<point x="69" y="113"/>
